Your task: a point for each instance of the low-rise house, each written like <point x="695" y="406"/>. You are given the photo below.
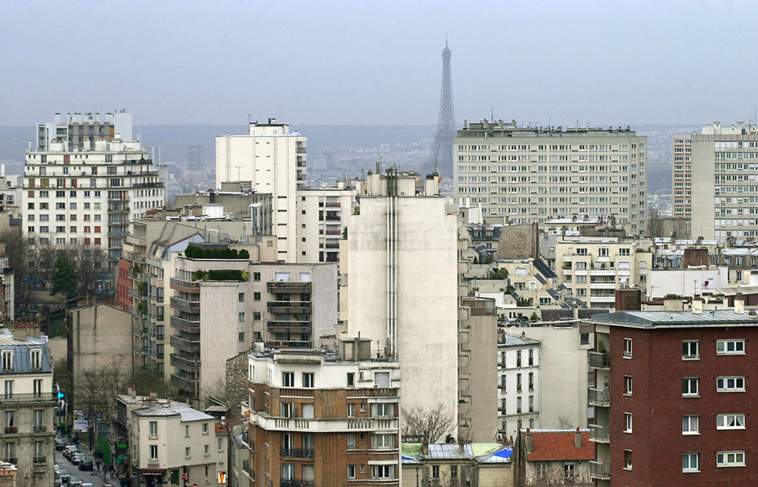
<point x="454" y="465"/>
<point x="557" y="457"/>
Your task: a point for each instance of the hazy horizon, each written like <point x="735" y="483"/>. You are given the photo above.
<point x="365" y="64"/>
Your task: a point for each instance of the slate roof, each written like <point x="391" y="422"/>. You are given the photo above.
<point x="654" y="319"/>
<point x="187" y="413"/>
<point x="548" y="445"/>
<point x="22" y="362"/>
<point x="412" y="453"/>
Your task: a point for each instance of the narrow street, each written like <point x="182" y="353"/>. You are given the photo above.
<point x="95" y="479"/>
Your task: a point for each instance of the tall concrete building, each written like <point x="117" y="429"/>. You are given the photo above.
<point x="402" y="289"/>
<point x="88" y="193"/>
<point x="720" y="166"/>
<point x="80" y="129"/>
<point x="273" y="159"/>
<point x="530" y="174"/>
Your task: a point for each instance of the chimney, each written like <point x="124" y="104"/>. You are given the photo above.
<point x="461" y="448"/>
<point x="578" y="438"/>
<point x="697" y="305"/>
<point x="424" y="446"/>
<point x="575" y="309"/>
<point x="739" y="304"/>
<point x="153" y="398"/>
<point x="672" y="302"/>
<point x="528" y="440"/>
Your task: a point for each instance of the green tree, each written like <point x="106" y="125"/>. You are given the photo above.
<point x="64" y="277"/>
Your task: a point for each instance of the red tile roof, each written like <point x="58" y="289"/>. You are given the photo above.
<point x="559" y="445"/>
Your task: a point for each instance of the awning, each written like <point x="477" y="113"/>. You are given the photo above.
<point x="146" y="472"/>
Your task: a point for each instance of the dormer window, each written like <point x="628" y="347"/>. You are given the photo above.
<point x="7" y="360"/>
<point x="36" y="359"/>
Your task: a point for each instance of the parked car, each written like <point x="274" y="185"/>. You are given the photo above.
<point x="75" y="482"/>
<point x="85" y="464"/>
<point x="69" y="450"/>
<point x="65" y="477"/>
<point x="77" y="458"/>
<point x="60" y="444"/>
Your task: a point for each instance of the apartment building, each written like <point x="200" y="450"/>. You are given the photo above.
<point x="273" y="159"/>
<point x="720" y="166"/>
<point x="402" y="284"/>
<point x="172" y="441"/>
<point x="316" y="419"/>
<point x="322" y="216"/>
<point x="28" y="404"/>
<point x="672" y="397"/>
<point x="79" y="129"/>
<point x="518" y="383"/>
<point x="220" y="306"/>
<point x="534" y="174"/>
<point x="88" y="195"/>
<point x="593" y="268"/>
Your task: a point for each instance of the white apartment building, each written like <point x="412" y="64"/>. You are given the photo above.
<point x="81" y="128"/>
<point x="170" y="440"/>
<point x="518" y="383"/>
<point x="534" y="174"/>
<point x="593" y="268"/>
<point x="322" y="216"/>
<point x="88" y="196"/>
<point x="720" y="166"/>
<point x="274" y="160"/>
<point x="402" y="284"/>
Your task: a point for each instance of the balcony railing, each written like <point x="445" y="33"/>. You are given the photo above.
<point x="296" y="453"/>
<point x="40" y="459"/>
<point x="29" y="398"/>
<point x="191" y="346"/>
<point x="186" y="286"/>
<point x="599" y="434"/>
<point x="293" y="307"/>
<point x="184" y="382"/>
<point x="289" y="326"/>
<point x="600" y="470"/>
<point x="10" y="430"/>
<point x="288" y="344"/>
<point x="185" y="305"/>
<point x="289" y="286"/>
<point x="189" y="365"/>
<point x="297" y="483"/>
<point x="190" y="326"/>
<point x="599" y="397"/>
<point x="600" y="360"/>
<point x="39" y="428"/>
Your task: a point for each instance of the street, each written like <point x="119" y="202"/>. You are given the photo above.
<point x="95" y="479"/>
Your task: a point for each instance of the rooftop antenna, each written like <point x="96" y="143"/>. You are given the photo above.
<point x="492" y="114"/>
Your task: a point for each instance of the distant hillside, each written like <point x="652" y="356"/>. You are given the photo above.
<point x="174" y="139"/>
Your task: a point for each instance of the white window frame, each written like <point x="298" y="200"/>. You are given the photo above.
<point x="690" y="350"/>
<point x="689" y="382"/>
<point x="627" y="385"/>
<point x="627" y="348"/>
<point x="730" y="384"/>
<point x="627" y="422"/>
<point x="690" y="468"/>
<point x="153" y="431"/>
<point x="737" y="347"/>
<point x="730" y="421"/>
<point x="628" y="463"/>
<point x="690" y="425"/>
<point x="569" y="470"/>
<point x="730" y="459"/>
<point x="153" y="449"/>
<point x="351" y="471"/>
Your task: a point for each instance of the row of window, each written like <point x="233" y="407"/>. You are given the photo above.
<point x="62" y="229"/>
<point x="691" y="461"/>
<point x="187" y="450"/>
<point x="691" y="385"/>
<point x="691" y="348"/>
<point x="691" y="423"/>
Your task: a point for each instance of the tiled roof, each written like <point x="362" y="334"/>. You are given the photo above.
<point x="550" y="445"/>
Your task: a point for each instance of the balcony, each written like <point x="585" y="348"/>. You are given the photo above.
<point x="40" y="459"/>
<point x="599" y="397"/>
<point x="11" y="430"/>
<point x="338" y="425"/>
<point x="288" y="344"/>
<point x="185" y="305"/>
<point x="289" y="326"/>
<point x="599" y="434"/>
<point x="296" y="453"/>
<point x="600" y="470"/>
<point x="297" y="483"/>
<point x="186" y="364"/>
<point x="332" y="205"/>
<point x="38" y="428"/>
<point x="289" y="287"/>
<point x="600" y="360"/>
<point x="29" y="398"/>
<point x="191" y="346"/>
<point x="184" y="286"/>
<point x="292" y="307"/>
<point x="13" y="460"/>
<point x="184" y="382"/>
<point x="184" y="324"/>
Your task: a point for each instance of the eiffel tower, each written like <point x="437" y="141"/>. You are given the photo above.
<point x="442" y="150"/>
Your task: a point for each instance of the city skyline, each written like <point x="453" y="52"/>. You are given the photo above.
<point x="338" y="63"/>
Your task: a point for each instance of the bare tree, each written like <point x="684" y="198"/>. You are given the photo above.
<point x="565" y="422"/>
<point x="89" y="264"/>
<point x="654" y="223"/>
<point x="432" y="424"/>
<point x="17" y="249"/>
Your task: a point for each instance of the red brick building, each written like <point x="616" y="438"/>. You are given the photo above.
<point x="674" y="397"/>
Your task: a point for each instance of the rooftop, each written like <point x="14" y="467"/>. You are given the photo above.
<point x="517" y="341"/>
<point x="174" y="409"/>
<point x="550" y="445"/>
<point x="673" y="319"/>
<point x="478" y="452"/>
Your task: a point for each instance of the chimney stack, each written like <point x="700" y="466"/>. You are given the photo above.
<point x="578" y="438"/>
<point x="697" y="305"/>
<point x="528" y="440"/>
<point x="739" y="304"/>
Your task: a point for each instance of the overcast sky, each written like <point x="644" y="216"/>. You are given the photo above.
<point x="379" y="62"/>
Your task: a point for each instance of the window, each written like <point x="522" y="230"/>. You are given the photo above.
<point x="627" y="348"/>
<point x="730" y="459"/>
<point x="436" y="472"/>
<point x="350" y="379"/>
<point x="10" y="450"/>
<point x="153" y="452"/>
<point x="36" y="359"/>
<point x="351" y="471"/>
<point x="207" y="450"/>
<point x="351" y="410"/>
<point x="351" y="440"/>
<point x="241" y="297"/>
<point x="531" y="356"/>
<point x="690" y="425"/>
<point x="308" y="411"/>
<point x="308" y="380"/>
<point x="730" y="384"/>
<point x="288" y="471"/>
<point x="382" y="410"/>
<point x="454" y="471"/>
<point x="627" y="422"/>
<point x="205" y="428"/>
<point x="241" y="317"/>
<point x="518" y="358"/>
<point x="627" y="459"/>
<point x="256" y="296"/>
<point x="690" y="350"/>
<point x="569" y="470"/>
<point x="220" y="446"/>
<point x="241" y="336"/>
<point x="382" y="441"/>
<point x="691" y="462"/>
<point x="627" y="385"/>
<point x="518" y="404"/>
<point x="288" y="379"/>
<point x="690" y="387"/>
<point x="256" y="276"/>
<point x="7" y="360"/>
<point x="287" y="409"/>
<point x="256" y="315"/>
<point x="730" y="422"/>
<point x="541" y="469"/>
<point x="38" y="417"/>
<point x="186" y="431"/>
<point x="383" y="471"/>
<point x="10" y="420"/>
<point x="730" y="347"/>
<point x="153" y="430"/>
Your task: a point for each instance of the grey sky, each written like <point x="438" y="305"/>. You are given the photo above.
<point x="379" y="63"/>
